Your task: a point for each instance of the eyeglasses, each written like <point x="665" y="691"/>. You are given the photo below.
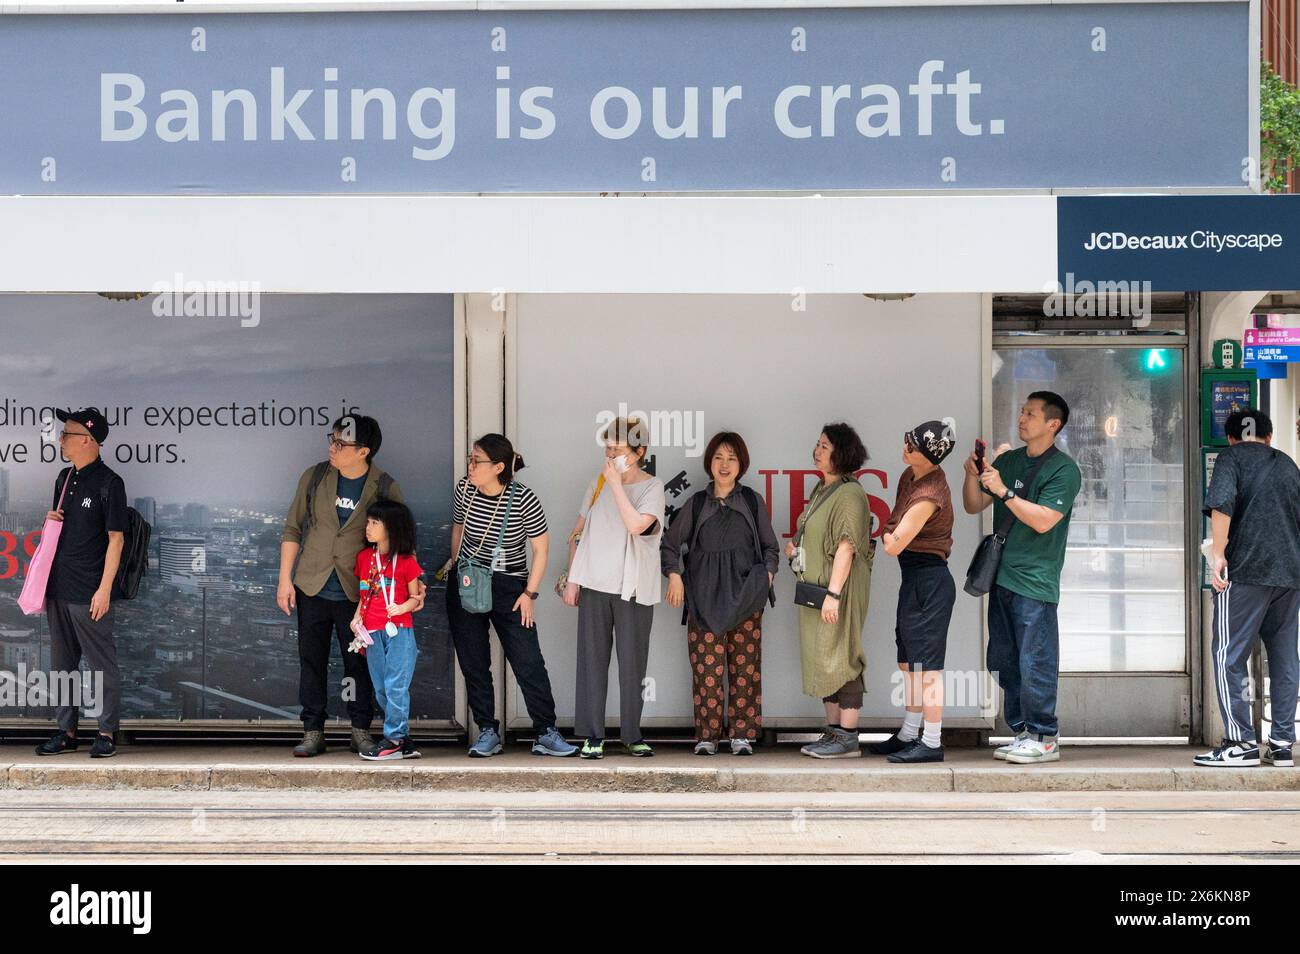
<point x="476" y="461"/>
<point x="66" y="434"/>
<point x="336" y="442"/>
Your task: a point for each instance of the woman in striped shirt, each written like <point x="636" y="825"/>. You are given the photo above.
<point x="487" y="500"/>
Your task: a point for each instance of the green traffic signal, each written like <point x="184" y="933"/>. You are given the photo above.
<point x="1155" y="360"/>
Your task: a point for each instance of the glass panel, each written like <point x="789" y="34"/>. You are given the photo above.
<point x="1122" y="590"/>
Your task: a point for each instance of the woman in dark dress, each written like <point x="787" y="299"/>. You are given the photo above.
<point x="732" y="556"/>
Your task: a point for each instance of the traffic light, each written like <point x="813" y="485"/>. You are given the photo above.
<point x="1156" y="360"/>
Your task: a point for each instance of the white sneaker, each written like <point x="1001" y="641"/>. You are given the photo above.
<point x="705" y="747"/>
<point x="1033" y="751"/>
<point x="1231" y="755"/>
<point x="1001" y="751"/>
<point x="741" y="747"/>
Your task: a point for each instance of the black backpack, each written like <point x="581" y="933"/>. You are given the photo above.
<point x="317" y="475"/>
<point x="135" y="552"/>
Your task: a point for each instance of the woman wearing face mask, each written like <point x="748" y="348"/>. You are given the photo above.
<point x="833" y="539"/>
<point x="732" y="556"/>
<point x="614" y="580"/>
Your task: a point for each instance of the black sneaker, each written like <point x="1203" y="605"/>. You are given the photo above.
<point x="1278" y="753"/>
<point x="57" y="744"/>
<point x="103" y="748"/>
<point x="890" y="745"/>
<point x="409" y="751"/>
<point x="918" y="751"/>
<point x="385" y="751"/>
<point x="1230" y="755"/>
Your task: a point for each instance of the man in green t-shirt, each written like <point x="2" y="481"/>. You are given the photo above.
<point x="1035" y="486"/>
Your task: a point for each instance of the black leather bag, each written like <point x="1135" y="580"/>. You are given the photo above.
<point x="983" y="570"/>
<point x="809" y="594"/>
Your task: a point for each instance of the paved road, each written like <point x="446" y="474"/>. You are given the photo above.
<point x="268" y="826"/>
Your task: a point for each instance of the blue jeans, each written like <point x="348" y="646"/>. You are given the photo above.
<point x="392" y="665"/>
<point x="1025" y="652"/>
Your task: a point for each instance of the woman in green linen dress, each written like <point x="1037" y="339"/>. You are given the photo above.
<point x="834" y="533"/>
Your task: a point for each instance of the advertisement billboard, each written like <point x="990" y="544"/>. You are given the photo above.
<point x="213" y="418"/>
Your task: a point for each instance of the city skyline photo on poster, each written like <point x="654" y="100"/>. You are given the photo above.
<point x="212" y="420"/>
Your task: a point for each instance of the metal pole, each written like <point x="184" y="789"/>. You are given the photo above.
<point x="203" y="657"/>
<point x="1258" y="675"/>
<point x="1192" y="501"/>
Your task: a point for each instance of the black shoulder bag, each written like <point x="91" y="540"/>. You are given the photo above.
<point x="810" y="594"/>
<point x="983" y="570"/>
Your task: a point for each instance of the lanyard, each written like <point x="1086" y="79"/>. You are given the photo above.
<point x="390" y="594"/>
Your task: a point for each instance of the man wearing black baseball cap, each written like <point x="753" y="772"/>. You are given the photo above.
<point x="90" y="500"/>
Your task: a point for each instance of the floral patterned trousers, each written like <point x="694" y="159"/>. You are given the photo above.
<point x="730" y="660"/>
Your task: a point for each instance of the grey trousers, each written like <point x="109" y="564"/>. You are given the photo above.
<point x="1243" y="614"/>
<point x="606" y="621"/>
<point x="73" y="634"/>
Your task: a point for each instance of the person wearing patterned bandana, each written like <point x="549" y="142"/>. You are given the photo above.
<point x="919" y="533"/>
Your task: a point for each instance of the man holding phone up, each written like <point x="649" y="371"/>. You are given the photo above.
<point x="1254" y="508"/>
<point x="1037" y="485"/>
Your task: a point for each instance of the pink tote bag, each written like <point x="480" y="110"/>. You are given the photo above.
<point x="32" y="599"/>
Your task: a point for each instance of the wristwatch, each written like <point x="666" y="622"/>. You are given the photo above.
<point x="531" y="594"/>
<point x="1008" y="495"/>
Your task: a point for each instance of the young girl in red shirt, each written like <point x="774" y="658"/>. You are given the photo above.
<point x="389" y="576"/>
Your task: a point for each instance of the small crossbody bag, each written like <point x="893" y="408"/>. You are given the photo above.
<point x="474" y="579"/>
<point x="810" y="594"/>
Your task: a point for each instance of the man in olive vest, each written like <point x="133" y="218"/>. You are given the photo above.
<point x="324" y="531"/>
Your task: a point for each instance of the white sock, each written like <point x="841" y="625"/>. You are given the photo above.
<point x="911" y="726"/>
<point x="932" y="736"/>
